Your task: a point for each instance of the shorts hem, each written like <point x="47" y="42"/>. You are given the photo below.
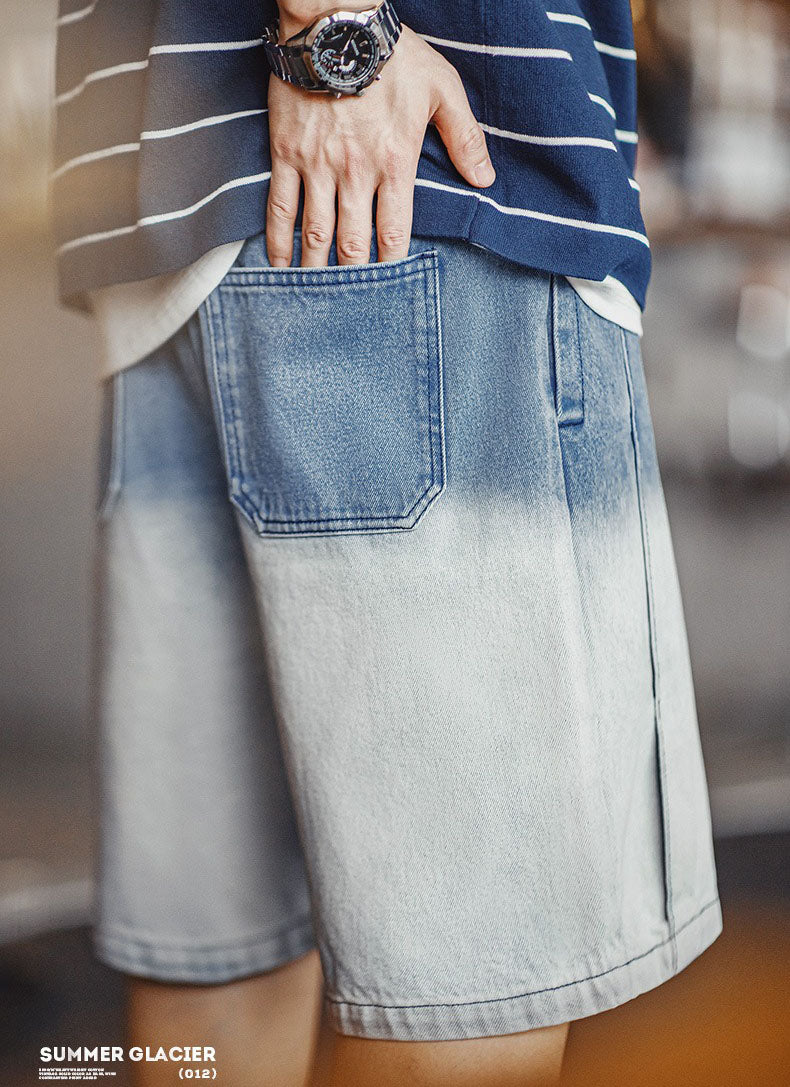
<point x="538" y="1008"/>
<point x="203" y="965"/>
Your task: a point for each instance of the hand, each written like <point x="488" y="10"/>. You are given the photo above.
<point x="351" y="148"/>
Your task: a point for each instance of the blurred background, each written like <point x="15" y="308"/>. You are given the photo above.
<point x="715" y="174"/>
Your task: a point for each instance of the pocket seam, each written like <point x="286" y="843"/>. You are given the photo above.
<point x="332" y="274"/>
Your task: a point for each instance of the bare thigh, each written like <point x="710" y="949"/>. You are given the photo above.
<point x="529" y="1059"/>
<point x="267" y="1022"/>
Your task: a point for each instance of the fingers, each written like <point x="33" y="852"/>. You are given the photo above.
<point x="318" y="220"/>
<point x="394" y="216"/>
<point x="462" y="135"/>
<point x="354" y="222"/>
<point x="281" y="209"/>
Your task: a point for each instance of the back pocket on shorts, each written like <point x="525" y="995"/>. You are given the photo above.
<point x="328" y="389"/>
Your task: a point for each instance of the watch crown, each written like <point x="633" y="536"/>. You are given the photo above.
<point x="378" y="77"/>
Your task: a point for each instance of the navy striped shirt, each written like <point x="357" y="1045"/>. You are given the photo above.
<point x="162" y="148"/>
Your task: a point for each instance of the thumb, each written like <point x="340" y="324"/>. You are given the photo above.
<point x="462" y="135"/>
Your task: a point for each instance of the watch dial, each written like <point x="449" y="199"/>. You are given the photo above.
<point x="345" y="55"/>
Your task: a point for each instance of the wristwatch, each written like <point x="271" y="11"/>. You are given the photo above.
<point x="341" y="53"/>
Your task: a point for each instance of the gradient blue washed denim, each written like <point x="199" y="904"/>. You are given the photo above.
<point x="391" y="652"/>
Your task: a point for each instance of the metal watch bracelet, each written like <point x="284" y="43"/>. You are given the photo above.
<point x="289" y="61"/>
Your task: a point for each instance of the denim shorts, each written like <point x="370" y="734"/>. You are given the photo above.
<point x="390" y="655"/>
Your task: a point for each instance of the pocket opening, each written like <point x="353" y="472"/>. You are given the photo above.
<point x="110" y="446"/>
<point x="566" y="354"/>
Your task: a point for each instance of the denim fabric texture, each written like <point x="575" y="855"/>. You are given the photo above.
<point x="391" y="657"/>
<point x="342" y="431"/>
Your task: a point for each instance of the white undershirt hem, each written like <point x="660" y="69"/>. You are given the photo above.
<point x="135" y="319"/>
<point x="611" y="299"/>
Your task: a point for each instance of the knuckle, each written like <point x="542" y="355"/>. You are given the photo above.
<point x="394" y="164"/>
<point x="452" y="86"/>
<point x="316" y="235"/>
<point x="353" y="163"/>
<point x="471" y="140"/>
<point x="454" y="79"/>
<point x="281" y="209"/>
<point x="392" y="237"/>
<point x="285" y="148"/>
<point x="353" y="247"/>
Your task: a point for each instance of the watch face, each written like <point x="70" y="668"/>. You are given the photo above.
<point x="345" y="55"/>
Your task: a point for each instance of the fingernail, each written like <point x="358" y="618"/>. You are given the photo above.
<point x="484" y="174"/>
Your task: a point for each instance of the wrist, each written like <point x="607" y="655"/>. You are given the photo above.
<point x="295" y="15"/>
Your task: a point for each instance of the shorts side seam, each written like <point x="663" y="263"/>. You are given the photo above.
<point x="653" y="645"/>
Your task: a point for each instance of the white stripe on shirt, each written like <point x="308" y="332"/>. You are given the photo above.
<point x="551" y="141"/>
<point x="498" y="50"/>
<point x="581" y="224"/>
<point x="153" y="134"/>
<point x="94" y="156"/>
<point x="205" y="47"/>
<point x="101" y="73"/>
<point x="602" y="102"/>
<point x="615" y="51"/>
<point x="561" y="17"/>
<point x="168" y="216"/>
<point x="624" y="135"/>
<point x="164" y="217"/>
<point x="75" y="16"/>
<point x="99" y="236"/>
<point x="602" y="47"/>
<point x="138" y="65"/>
<point x="236" y="183"/>
<point x="204" y="122"/>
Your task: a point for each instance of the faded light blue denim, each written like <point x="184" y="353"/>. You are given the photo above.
<point x="391" y="654"/>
